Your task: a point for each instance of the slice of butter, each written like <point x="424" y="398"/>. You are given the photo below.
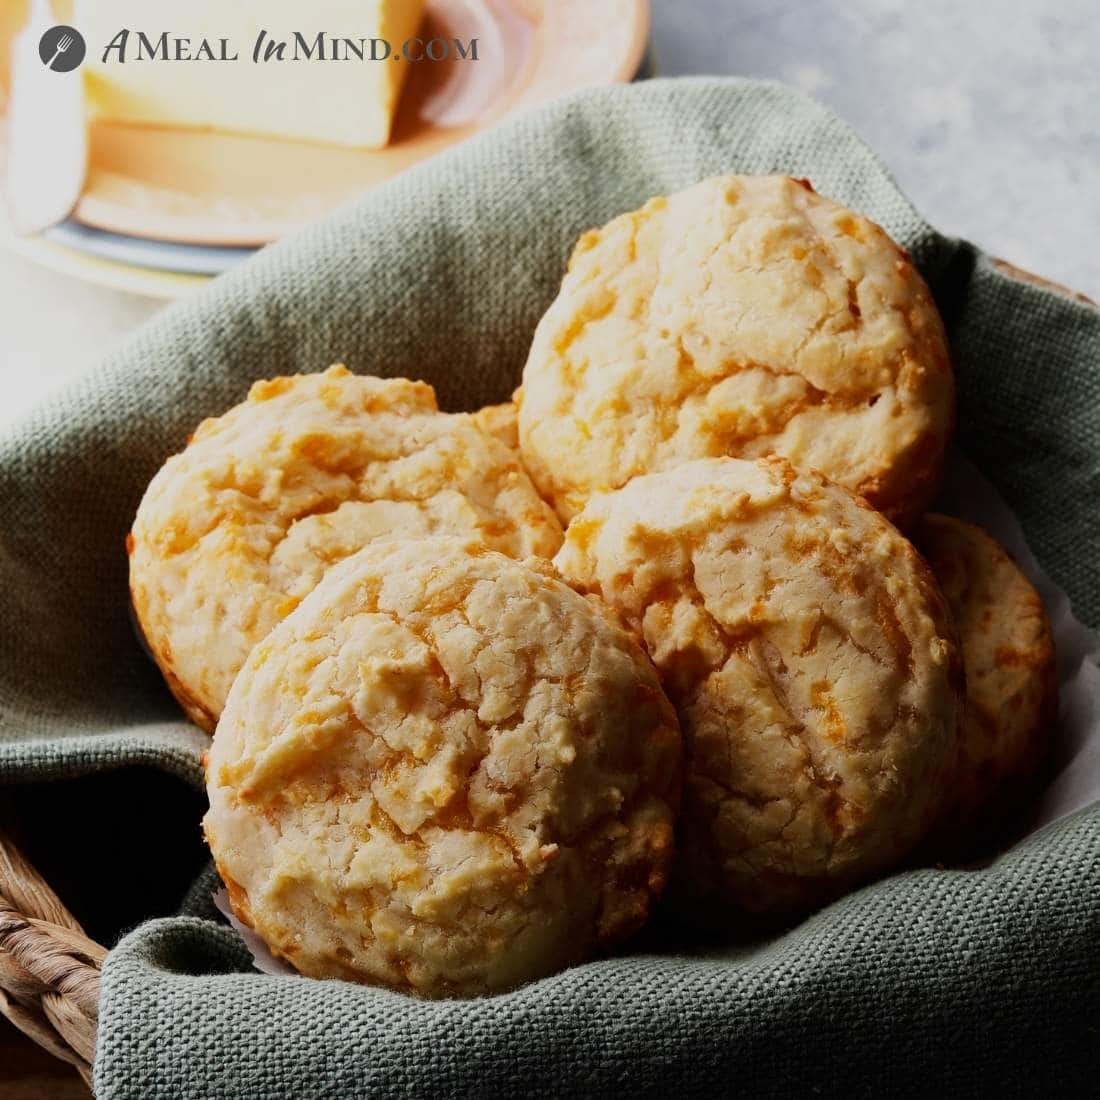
<point x="320" y="91"/>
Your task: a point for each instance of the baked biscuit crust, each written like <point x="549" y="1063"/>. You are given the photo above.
<point x="811" y="659"/>
<point x="745" y="316"/>
<point x="237" y="529"/>
<point x="501" y="422"/>
<point x="1008" y="653"/>
<point x="446" y="772"/>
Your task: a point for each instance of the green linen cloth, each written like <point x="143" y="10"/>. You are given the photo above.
<point x="932" y="980"/>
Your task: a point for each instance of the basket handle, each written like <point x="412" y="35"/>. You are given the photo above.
<point x="49" y="969"/>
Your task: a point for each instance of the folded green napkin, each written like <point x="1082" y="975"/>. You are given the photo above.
<point x="930" y="981"/>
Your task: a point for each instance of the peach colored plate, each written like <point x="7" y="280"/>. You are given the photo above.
<point x="210" y="188"/>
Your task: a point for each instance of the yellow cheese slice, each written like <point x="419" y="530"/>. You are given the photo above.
<point x="320" y="89"/>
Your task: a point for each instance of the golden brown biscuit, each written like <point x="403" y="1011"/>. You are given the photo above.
<point x="446" y="772"/>
<point x="1008" y="653"/>
<point x="744" y="316"/>
<point x="810" y="657"/>
<point x="237" y="529"/>
<point x="500" y="421"/>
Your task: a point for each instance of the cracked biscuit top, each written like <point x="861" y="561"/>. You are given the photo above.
<point x="234" y="531"/>
<point x="446" y="772"/>
<point x="745" y="316"/>
<point x="1008" y="653"/>
<point x="810" y="657"/>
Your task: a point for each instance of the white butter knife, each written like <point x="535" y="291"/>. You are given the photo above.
<point x="47" y="136"/>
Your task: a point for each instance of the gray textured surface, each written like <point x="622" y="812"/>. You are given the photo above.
<point x="985" y="112"/>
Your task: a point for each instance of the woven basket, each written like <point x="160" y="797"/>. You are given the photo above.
<point x="49" y="969"/>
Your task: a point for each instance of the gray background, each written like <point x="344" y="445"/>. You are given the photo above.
<point x="987" y="113"/>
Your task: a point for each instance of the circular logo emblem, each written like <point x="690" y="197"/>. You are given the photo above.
<point x="62" y="49"/>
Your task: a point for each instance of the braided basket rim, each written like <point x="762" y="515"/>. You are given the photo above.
<point x="49" y="968"/>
